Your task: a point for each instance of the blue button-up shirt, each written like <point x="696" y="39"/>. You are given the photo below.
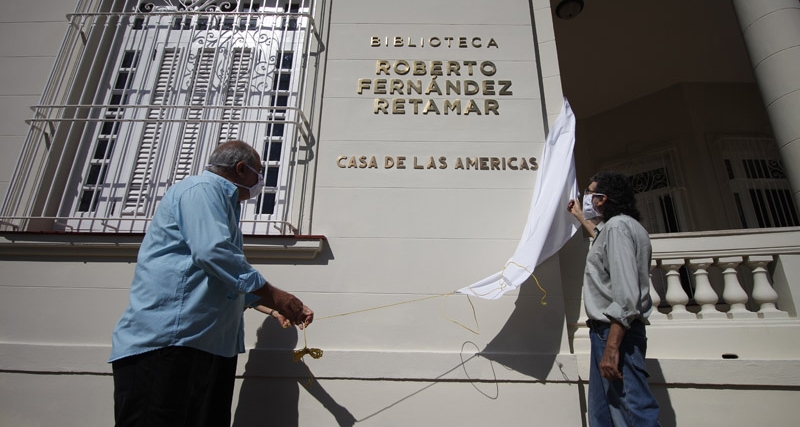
<point x="191" y="283"/>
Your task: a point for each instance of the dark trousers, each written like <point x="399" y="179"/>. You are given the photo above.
<point x="174" y="386"/>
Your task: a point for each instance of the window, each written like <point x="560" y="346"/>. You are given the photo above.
<point x="759" y="192"/>
<point x="153" y="88"/>
<point x="660" y="195"/>
<point x="654" y="196"/>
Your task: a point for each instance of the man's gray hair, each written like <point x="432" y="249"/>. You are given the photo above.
<point x="228" y="154"/>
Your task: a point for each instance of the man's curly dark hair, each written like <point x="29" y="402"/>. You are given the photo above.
<point x="620" y="197"/>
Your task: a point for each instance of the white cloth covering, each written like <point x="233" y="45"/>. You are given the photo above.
<point x="549" y="224"/>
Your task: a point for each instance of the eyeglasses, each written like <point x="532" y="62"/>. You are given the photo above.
<point x="587" y="192"/>
<point x="263" y="167"/>
<point x="259" y="173"/>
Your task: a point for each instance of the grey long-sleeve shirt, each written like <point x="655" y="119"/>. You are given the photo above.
<point x="616" y="281"/>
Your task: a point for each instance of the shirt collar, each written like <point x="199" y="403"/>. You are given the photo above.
<point x="599" y="227"/>
<point x="231" y="190"/>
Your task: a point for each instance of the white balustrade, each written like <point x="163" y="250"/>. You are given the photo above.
<point x="676" y="297"/>
<point x="733" y="293"/>
<point x="763" y="293"/>
<point x="704" y="293"/>
<point x="732" y="304"/>
<point x="736" y="278"/>
<point x="654" y="296"/>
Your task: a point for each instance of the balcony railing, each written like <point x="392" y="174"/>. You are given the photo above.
<point x="711" y="285"/>
<point x="741" y="274"/>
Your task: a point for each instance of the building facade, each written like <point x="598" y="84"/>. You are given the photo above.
<point x="403" y="141"/>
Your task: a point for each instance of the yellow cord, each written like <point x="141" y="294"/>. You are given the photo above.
<point x="477" y="330"/>
<point x="379" y="307"/>
<point x="543" y="302"/>
<point x="502" y="284"/>
<point x="316" y="353"/>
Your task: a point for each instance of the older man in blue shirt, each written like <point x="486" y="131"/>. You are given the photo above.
<point x="174" y="350"/>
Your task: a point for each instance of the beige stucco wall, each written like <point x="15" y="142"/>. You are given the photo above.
<point x="395" y="237"/>
<point x="32" y="35"/>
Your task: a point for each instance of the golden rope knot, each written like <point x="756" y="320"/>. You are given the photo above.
<point x="313" y="352"/>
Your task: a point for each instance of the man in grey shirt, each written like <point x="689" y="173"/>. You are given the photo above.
<point x="616" y="292"/>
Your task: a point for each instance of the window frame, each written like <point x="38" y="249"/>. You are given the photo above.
<point x="54" y="162"/>
<point x="753" y="199"/>
<point x="660" y="189"/>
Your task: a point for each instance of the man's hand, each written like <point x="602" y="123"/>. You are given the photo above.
<point x="289" y="306"/>
<point x="308" y="317"/>
<point x="574" y="207"/>
<point x="609" y="364"/>
<point x="286" y="323"/>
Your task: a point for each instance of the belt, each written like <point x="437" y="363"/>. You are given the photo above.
<point x="594" y="324"/>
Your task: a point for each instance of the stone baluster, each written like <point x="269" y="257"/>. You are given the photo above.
<point x="675" y="295"/>
<point x="704" y="294"/>
<point x="581" y="343"/>
<point x="733" y="294"/>
<point x="763" y="293"/>
<point x="654" y="296"/>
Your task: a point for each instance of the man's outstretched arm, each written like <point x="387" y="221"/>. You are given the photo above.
<point x="287" y="304"/>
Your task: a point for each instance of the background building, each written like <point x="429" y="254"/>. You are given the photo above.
<point x="403" y="142"/>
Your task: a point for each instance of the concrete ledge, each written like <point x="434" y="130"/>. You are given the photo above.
<point x="416" y="365"/>
<point x="716" y="372"/>
<point x="423" y="366"/>
<point x="783" y="373"/>
<point x="346" y="364"/>
<point x="124" y="247"/>
<point x="54" y="358"/>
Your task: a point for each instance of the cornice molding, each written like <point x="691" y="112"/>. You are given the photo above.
<point x="125" y="247"/>
<point x="751" y="242"/>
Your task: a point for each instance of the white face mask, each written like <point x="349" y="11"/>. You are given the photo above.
<point x="588" y="208"/>
<point x="256" y="189"/>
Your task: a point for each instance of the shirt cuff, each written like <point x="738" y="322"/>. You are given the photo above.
<point x="251" y="300"/>
<point x="615" y="312"/>
<point x="251" y="281"/>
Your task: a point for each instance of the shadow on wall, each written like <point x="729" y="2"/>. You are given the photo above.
<point x="490" y="391"/>
<point x="267" y="400"/>
<point x="531" y="337"/>
<point x="666" y="415"/>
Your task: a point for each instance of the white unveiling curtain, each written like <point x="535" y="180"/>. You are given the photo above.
<point x="549" y="224"/>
